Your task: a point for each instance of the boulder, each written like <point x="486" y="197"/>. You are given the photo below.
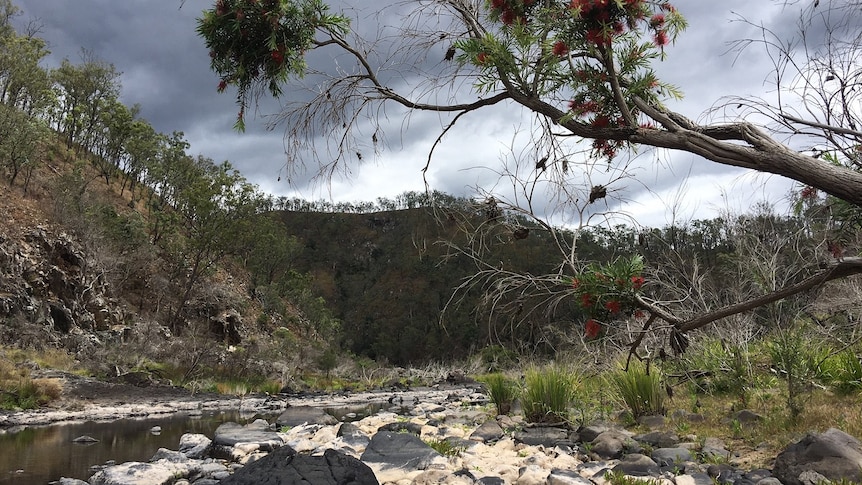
<point x="299" y="415"/>
<point x="489" y="431"/>
<point x="398" y="450"/>
<point x="256" y="435"/>
<point x="637" y="465"/>
<point x="549" y="436"/>
<point x="285" y="467"/>
<point x="834" y="454"/>
<point x="611" y="444"/>
<point x="352" y="435"/>
<point x="671" y="456"/>
<point x="194" y="445"/>
<point x="658" y="439"/>
<point x="137" y="473"/>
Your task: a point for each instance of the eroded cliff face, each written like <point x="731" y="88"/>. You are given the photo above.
<point x="53" y="294"/>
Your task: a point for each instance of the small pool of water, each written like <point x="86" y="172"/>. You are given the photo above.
<point x="38" y="455"/>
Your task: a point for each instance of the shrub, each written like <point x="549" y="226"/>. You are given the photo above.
<point x="843" y="371"/>
<point x="640" y="389"/>
<point x="501" y="390"/>
<point x="548" y="394"/>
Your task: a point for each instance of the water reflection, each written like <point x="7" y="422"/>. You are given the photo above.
<point x="39" y="455"/>
<point x="42" y="454"/>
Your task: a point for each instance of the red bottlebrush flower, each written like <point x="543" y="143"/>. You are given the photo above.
<point x="277" y="56"/>
<point x="639" y="314"/>
<point x="560" y="48"/>
<point x="586" y="300"/>
<point x="222" y="85"/>
<point x="221" y="8"/>
<point x="575" y="283"/>
<point x="613" y="306"/>
<point x="619" y="28"/>
<point x="601" y="121"/>
<point x="481" y="58"/>
<point x="240" y="15"/>
<point x="508" y="16"/>
<point x="497" y="4"/>
<point x="660" y="38"/>
<point x="808" y="192"/>
<point x="598" y="36"/>
<point x="592" y="328"/>
<point x="637" y="282"/>
<point x="656" y="21"/>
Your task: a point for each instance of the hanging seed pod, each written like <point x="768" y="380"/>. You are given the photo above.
<point x="598" y="192"/>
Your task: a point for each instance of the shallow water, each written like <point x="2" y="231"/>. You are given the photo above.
<point x="38" y="455"/>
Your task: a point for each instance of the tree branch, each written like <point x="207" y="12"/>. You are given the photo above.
<point x="838" y="269"/>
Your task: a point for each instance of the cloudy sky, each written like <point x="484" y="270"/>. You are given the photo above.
<point x="165" y="68"/>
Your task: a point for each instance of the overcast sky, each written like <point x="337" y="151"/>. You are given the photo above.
<point x="165" y="68"/>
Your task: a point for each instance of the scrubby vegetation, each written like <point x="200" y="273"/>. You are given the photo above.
<point x="215" y="286"/>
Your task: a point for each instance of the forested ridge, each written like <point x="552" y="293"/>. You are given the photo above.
<point x="183" y="240"/>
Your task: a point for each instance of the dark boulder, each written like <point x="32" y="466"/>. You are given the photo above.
<point x="399" y="450"/>
<point x="834" y="454"/>
<point x="285" y="467"/>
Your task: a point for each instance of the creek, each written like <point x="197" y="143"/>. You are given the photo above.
<point x="39" y="455"/>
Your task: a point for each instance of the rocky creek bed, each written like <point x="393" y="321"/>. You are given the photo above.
<point x="306" y="445"/>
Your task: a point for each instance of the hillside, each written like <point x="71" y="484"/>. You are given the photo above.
<point x="385" y="276"/>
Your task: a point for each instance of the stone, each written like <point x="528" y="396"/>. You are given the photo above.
<point x="658" y="439"/>
<point x="194" y="445"/>
<point x="566" y="477"/>
<point x="652" y="421"/>
<point x="164" y="454"/>
<point x="757" y="474"/>
<point x="714" y="448"/>
<point x="722" y="473"/>
<point x="545" y="436"/>
<point x="591" y="432"/>
<point x="747" y="416"/>
<point x="299" y="415"/>
<point x="532" y="475"/>
<point x="398" y="450"/>
<point x="693" y="479"/>
<point x="671" y="456"/>
<point x="232" y="440"/>
<point x="402" y="427"/>
<point x="489" y="431"/>
<point x="834" y="454"/>
<point x="352" y="435"/>
<point x="137" y="473"/>
<point x="769" y="481"/>
<point x="637" y="465"/>
<point x="610" y="444"/>
<point x="285" y="467"/>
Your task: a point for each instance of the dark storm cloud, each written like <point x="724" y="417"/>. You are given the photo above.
<point x="165" y="69"/>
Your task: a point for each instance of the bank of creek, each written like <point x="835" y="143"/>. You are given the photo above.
<point x="205" y="440"/>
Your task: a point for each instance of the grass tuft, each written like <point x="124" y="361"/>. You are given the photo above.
<point x="549" y="393"/>
<point x="641" y="391"/>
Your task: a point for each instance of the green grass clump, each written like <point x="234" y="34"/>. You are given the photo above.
<point x="843" y="371"/>
<point x="501" y="390"/>
<point x="641" y="391"/>
<point x="444" y="447"/>
<point x="549" y="394"/>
